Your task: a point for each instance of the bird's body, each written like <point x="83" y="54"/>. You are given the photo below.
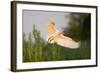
<point x="54" y="36"/>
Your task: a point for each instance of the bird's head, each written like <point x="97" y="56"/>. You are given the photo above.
<point x="50" y="27"/>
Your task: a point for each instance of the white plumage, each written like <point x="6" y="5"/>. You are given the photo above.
<point x="54" y="36"/>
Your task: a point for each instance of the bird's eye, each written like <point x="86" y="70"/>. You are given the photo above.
<point x="53" y="23"/>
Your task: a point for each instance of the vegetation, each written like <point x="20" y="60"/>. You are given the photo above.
<point x="38" y="50"/>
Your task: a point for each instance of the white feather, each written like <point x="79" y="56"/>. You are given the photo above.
<point x="54" y="36"/>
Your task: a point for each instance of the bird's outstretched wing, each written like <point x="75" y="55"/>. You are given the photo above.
<point x="66" y="41"/>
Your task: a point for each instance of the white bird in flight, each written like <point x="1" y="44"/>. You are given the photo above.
<point x="54" y="36"/>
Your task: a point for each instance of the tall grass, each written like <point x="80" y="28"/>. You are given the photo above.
<point x="38" y="50"/>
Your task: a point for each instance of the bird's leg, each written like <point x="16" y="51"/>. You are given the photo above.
<point x="51" y="39"/>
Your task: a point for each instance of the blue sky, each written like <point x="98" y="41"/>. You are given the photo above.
<point x="40" y="18"/>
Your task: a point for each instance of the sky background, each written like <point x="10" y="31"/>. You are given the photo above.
<point x="40" y="19"/>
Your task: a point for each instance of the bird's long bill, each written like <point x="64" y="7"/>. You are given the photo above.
<point x="66" y="42"/>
